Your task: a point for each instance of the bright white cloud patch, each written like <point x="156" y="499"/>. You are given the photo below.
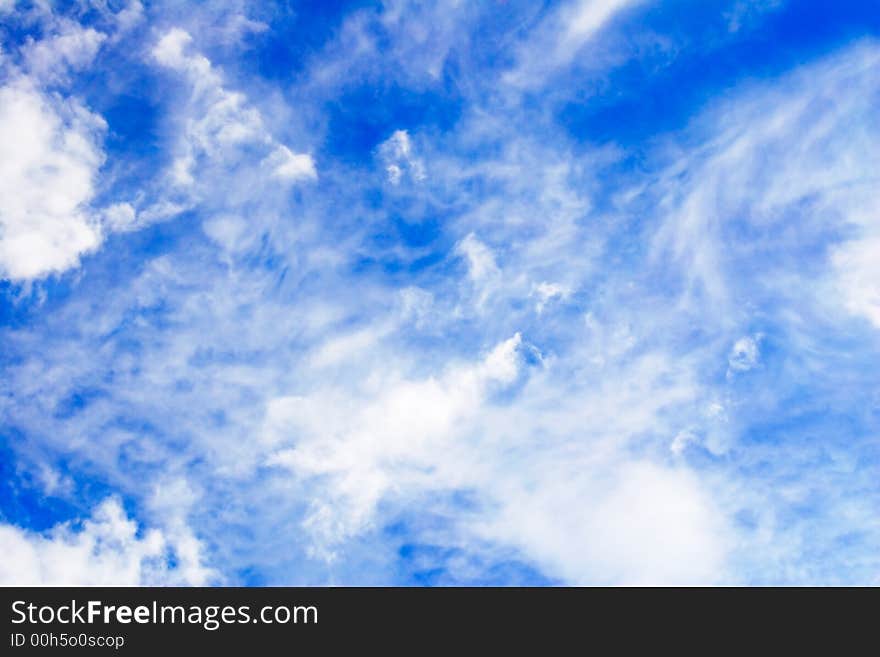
<point x="648" y="525"/>
<point x="386" y="441"/>
<point x="50" y="153"/>
<point x="107" y="550"/>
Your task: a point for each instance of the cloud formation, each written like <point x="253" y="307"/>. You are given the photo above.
<point x="50" y="149"/>
<point x="107" y="550"/>
<point x="447" y="293"/>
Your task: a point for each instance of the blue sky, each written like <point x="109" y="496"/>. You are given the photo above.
<point x="441" y="293"/>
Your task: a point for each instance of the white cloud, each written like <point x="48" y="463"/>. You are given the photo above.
<point x="637" y="524"/>
<point x="552" y="484"/>
<point x="128" y="17"/>
<point x="681" y="441"/>
<point x="857" y="265"/>
<point x="397" y="156"/>
<point x="169" y="51"/>
<point x="359" y="419"/>
<point x="72" y="49"/>
<point x="107" y="550"/>
<point x="120" y="217"/>
<point x="560" y="38"/>
<point x="547" y="292"/>
<point x="291" y="166"/>
<point x="582" y="20"/>
<point x="229" y="231"/>
<point x="803" y="147"/>
<point x="172" y="501"/>
<point x="50" y="153"/>
<point x="480" y="259"/>
<point x="367" y="447"/>
<point x="744" y="354"/>
<point x="483" y="271"/>
<point x="744" y="13"/>
<point x="219" y="121"/>
<point x="337" y="350"/>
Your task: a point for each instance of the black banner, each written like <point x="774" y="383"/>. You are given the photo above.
<point x="147" y="620"/>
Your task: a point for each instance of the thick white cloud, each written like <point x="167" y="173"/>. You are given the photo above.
<point x="482" y="268"/>
<point x="50" y="153"/>
<point x="107" y="550"/>
<point x="381" y="441"/>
